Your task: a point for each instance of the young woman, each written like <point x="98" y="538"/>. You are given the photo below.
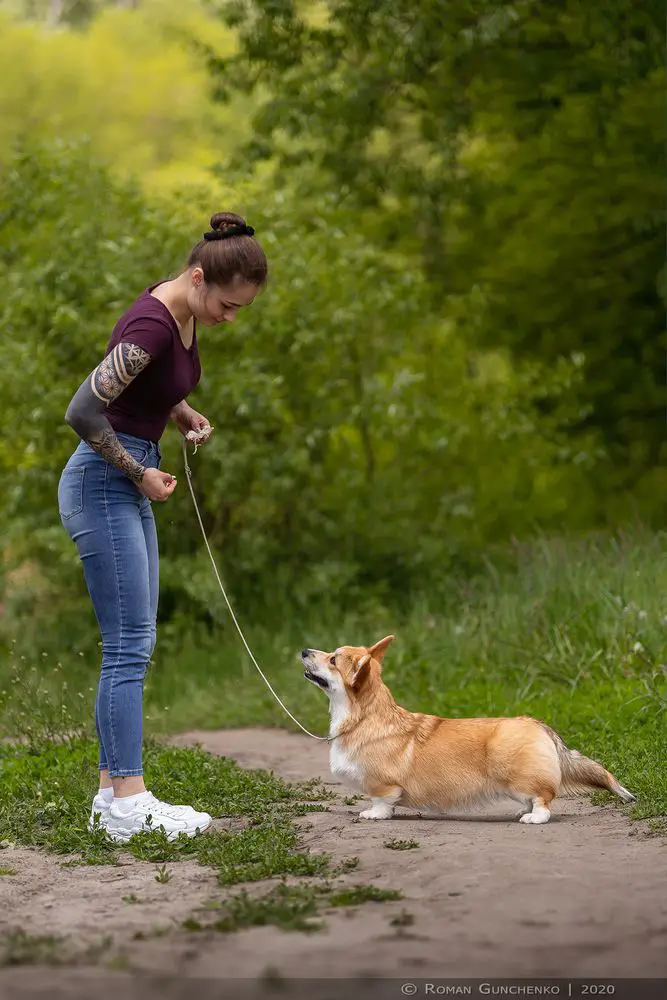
<point x="105" y="492"/>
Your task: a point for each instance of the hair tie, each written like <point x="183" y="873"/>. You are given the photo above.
<point x="224" y="234"/>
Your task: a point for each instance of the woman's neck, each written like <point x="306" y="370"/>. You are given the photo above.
<point x="174" y="295"/>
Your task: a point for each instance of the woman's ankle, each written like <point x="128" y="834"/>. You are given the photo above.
<point x="131" y="785"/>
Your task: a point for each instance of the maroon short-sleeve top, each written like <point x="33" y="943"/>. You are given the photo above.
<point x="143" y="408"/>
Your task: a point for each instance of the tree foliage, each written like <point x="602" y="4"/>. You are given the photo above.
<point x="461" y="339"/>
<point x="517" y="148"/>
<point x="132" y="82"/>
<point x="356" y="436"/>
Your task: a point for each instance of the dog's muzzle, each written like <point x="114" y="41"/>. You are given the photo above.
<point x="320" y="681"/>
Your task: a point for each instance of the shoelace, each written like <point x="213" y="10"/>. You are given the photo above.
<point x="166" y="808"/>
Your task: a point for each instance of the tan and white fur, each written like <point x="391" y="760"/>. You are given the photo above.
<point x="424" y="762"/>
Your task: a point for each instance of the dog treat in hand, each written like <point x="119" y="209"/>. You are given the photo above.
<point x="197" y="437"/>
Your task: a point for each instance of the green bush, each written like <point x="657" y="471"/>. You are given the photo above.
<point x="356" y="435"/>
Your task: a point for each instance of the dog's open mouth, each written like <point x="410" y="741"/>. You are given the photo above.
<point x="310" y="676"/>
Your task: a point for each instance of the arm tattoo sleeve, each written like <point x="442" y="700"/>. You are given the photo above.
<point x="123" y="364"/>
<point x="85" y="413"/>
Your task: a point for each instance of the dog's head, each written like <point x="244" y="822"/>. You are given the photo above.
<point x="347" y="670"/>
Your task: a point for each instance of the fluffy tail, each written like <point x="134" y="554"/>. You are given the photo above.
<point x="581" y="774"/>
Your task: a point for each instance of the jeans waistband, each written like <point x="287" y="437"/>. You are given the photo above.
<point x="85" y="453"/>
<point x="133" y="440"/>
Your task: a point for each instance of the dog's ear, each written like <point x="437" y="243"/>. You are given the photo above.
<point x="360" y="672"/>
<point x="380" y="648"/>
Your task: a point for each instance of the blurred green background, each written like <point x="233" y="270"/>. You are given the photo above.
<point x="451" y="394"/>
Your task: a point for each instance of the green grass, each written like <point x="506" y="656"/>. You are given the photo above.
<point x="20" y="948"/>
<point x="358" y="894"/>
<point x="573" y="632"/>
<point x="45" y="795"/>
<point x="401" y="845"/>
<point x="163" y="875"/>
<point x="290" y="907"/>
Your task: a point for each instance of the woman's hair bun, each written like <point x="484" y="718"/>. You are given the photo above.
<point x="228" y="251"/>
<point x="225" y="220"/>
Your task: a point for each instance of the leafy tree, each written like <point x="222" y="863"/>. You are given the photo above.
<point x="356" y="436"/>
<point x="132" y="82"/>
<point x="517" y="148"/>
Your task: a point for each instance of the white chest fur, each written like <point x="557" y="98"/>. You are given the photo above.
<point x="344" y="767"/>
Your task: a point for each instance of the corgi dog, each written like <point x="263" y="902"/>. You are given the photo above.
<point x="402" y="758"/>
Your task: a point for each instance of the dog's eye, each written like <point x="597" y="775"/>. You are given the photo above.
<point x="332" y="661"/>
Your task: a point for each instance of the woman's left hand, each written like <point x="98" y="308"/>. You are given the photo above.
<point x="192" y="425"/>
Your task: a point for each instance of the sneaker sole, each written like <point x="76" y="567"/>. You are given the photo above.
<point x="123" y="837"/>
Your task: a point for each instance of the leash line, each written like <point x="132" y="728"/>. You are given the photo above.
<point x="188" y="476"/>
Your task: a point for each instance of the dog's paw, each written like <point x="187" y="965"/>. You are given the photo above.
<point x="376" y="812"/>
<point x="538" y="815"/>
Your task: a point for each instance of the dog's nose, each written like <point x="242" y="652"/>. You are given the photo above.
<point x="305" y="653"/>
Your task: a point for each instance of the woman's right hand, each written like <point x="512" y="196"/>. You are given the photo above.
<point x="157" y="485"/>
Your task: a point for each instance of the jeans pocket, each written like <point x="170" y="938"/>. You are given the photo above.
<point x="70" y="492"/>
<point x="138" y="453"/>
<point x="136" y="449"/>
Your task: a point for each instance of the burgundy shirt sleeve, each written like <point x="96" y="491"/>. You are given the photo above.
<point x="148" y="332"/>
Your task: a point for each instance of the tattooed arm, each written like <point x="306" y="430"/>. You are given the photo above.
<point x="86" y="412"/>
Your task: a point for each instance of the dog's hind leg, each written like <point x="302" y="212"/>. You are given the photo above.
<point x="535" y="775"/>
<point x="383" y="800"/>
<point x="541" y="811"/>
<point x="525" y="800"/>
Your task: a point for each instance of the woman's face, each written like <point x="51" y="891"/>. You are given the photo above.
<point x="214" y="304"/>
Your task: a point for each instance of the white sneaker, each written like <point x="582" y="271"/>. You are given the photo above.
<point x="100" y="805"/>
<point x="148" y="814"/>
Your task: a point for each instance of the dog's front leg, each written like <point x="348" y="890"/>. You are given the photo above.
<point x="383" y="800"/>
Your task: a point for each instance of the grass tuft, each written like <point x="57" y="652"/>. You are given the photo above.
<point x="362" y="894"/>
<point x="18" y="947"/>
<point x="401" y="845"/>
<point x="290" y="907"/>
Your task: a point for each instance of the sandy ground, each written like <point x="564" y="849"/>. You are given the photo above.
<point x="583" y="897"/>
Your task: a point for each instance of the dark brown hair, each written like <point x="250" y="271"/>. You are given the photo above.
<point x="222" y="259"/>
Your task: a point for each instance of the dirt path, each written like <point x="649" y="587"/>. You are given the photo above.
<point x="583" y="896"/>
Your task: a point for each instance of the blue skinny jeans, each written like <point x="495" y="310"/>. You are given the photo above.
<point x="113" y="528"/>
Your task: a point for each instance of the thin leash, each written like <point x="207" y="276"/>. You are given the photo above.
<point x="188" y="476"/>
